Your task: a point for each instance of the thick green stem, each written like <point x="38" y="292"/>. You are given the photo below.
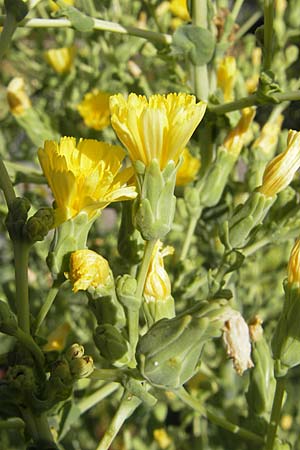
<point x="275" y="413"/>
<point x="46" y="306"/>
<point x="215" y="418"/>
<point x="127" y="406"/>
<point x="31" y="345"/>
<point x="268" y="33"/>
<point x="43" y="430"/>
<point x="200" y="74"/>
<point x="189" y="236"/>
<point x="99" y="25"/>
<point x="6" y="185"/>
<point x="21" y="253"/>
<point x="107" y="374"/>
<point x="252" y="100"/>
<point x="10" y="25"/>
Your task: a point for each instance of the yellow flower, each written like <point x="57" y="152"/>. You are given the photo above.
<point x="84" y="176"/>
<point x="188" y="169"/>
<point x="60" y="59"/>
<point x="17" y="97"/>
<point x="162" y="438"/>
<point x="94" y="109"/>
<point x="157" y="285"/>
<point x="54" y="6"/>
<point x="294" y="264"/>
<point x="268" y="138"/>
<point x="179" y="9"/>
<point x="226" y="75"/>
<point x="88" y="269"/>
<point x="235" y="140"/>
<point x="158" y="128"/>
<point x="281" y="170"/>
<point x="57" y="339"/>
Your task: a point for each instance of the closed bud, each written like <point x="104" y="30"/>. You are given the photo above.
<point x="38" y="226"/>
<point x="16" y="217"/>
<point x="126" y="291"/>
<point x="82" y="367"/>
<point x="8" y="321"/>
<point x="75" y="351"/>
<point x="112" y="345"/>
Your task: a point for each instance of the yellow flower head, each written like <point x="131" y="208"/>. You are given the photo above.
<point x="188" y="169"/>
<point x="179" y="9"/>
<point x="162" y="438"/>
<point x="54" y="6"/>
<point x="57" y="339"/>
<point x="17" y="97"/>
<point x="268" y="138"/>
<point x="235" y="140"/>
<point x="85" y="176"/>
<point x="157" y="285"/>
<point x="94" y="109"/>
<point x="281" y="170"/>
<point x="60" y="59"/>
<point x="226" y="75"/>
<point x="88" y="269"/>
<point x="158" y="128"/>
<point x="294" y="264"/>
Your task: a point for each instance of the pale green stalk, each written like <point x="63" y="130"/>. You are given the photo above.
<point x="275" y="413"/>
<point x="268" y="33"/>
<point x="189" y="236"/>
<point x="21" y="254"/>
<point x="47" y="305"/>
<point x="6" y="185"/>
<point x="200" y="74"/>
<point x="88" y="402"/>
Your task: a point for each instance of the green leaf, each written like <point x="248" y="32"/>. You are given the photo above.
<point x="80" y="21"/>
<point x="195" y="42"/>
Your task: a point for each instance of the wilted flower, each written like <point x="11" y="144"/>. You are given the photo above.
<point x="235" y="140"/>
<point x="294" y="264"/>
<point x="281" y="170"/>
<point x="226" y="75"/>
<point x="84" y="177"/>
<point x="94" y="109"/>
<point x="17" y="97"/>
<point x="237" y="341"/>
<point x="88" y="269"/>
<point x="60" y="59"/>
<point x="157" y="285"/>
<point x="158" y="128"/>
<point x="188" y="169"/>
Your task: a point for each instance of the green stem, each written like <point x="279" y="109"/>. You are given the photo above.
<point x="43" y="430"/>
<point x="106" y="374"/>
<point x="31" y="345"/>
<point x="127" y="406"/>
<point x="247" y="25"/>
<point x="268" y="33"/>
<point x="252" y="100"/>
<point x="189" y="235"/>
<point x="21" y="253"/>
<point x="256" y="246"/>
<point x="99" y="25"/>
<point x="6" y="185"/>
<point x="88" y="402"/>
<point x="142" y="274"/>
<point x="275" y="413"/>
<point x="46" y="306"/>
<point x="215" y="418"/>
<point x="12" y="423"/>
<point x="9" y="26"/>
<point x="200" y="74"/>
<point x="230" y="21"/>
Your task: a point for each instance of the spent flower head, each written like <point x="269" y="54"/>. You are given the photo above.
<point x="88" y="269"/>
<point x="84" y="176"/>
<point x="236" y="138"/>
<point x="158" y="128"/>
<point x="281" y="170"/>
<point x="94" y="109"/>
<point x="17" y="97"/>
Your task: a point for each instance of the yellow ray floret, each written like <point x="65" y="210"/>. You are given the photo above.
<point x="86" y="176"/>
<point x="188" y="170"/>
<point x="158" y="128"/>
<point x="94" y="109"/>
<point x="294" y="264"/>
<point x="158" y="285"/>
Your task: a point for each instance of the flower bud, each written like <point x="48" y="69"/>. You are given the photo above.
<point x="126" y="292"/>
<point x="38" y="226"/>
<point x="75" y="351"/>
<point x="88" y="269"/>
<point x="17" y="97"/>
<point x="16" y="217"/>
<point x="82" y="367"/>
<point x="112" y="345"/>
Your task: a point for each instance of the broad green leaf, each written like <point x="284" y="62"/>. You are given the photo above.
<point x="197" y="43"/>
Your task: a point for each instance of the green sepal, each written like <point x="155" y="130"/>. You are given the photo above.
<point x="216" y="178"/>
<point x="154" y="209"/>
<point x="246" y="218"/>
<point x="112" y="345"/>
<point x="159" y="309"/>
<point x="126" y="291"/>
<point x="16" y="217"/>
<point x="261" y="378"/>
<point x="130" y="241"/>
<point x="191" y="202"/>
<point x="286" y="338"/>
<point x="38" y="225"/>
<point x="8" y="321"/>
<point x="68" y="237"/>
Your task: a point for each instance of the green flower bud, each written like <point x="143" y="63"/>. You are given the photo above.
<point x="154" y="209"/>
<point x="112" y="345"/>
<point x="8" y="321"/>
<point x="21" y="378"/>
<point x="130" y="241"/>
<point x="191" y="201"/>
<point x="38" y="226"/>
<point x="61" y="370"/>
<point x="16" y="217"/>
<point x="82" y="367"/>
<point x="75" y="351"/>
<point x="126" y="288"/>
